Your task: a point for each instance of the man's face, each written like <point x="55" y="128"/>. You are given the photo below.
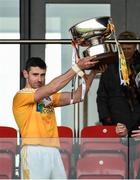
<point x="35" y="78"/>
<point x="129" y="50"/>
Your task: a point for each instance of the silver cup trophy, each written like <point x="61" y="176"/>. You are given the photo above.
<point x="90" y="35"/>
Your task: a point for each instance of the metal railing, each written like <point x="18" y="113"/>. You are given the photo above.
<point x="55" y="41"/>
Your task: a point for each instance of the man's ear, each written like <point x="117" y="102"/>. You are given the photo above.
<point x="25" y="74"/>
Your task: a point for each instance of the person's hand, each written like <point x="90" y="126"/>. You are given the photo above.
<point x="121" y="130"/>
<point x="101" y="69"/>
<point x="136" y="134"/>
<point x="87" y="62"/>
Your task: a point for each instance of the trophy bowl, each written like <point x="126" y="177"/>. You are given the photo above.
<point x="91" y="35"/>
<point x="105" y="54"/>
<point x="91" y="31"/>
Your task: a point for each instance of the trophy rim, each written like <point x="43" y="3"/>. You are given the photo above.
<point x="84" y="35"/>
<point x="96" y="18"/>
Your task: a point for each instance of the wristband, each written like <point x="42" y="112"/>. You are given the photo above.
<point x="76" y="69"/>
<point x="71" y="101"/>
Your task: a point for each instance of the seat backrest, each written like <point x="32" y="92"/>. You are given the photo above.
<point x="66" y="146"/>
<point x="101" y="139"/>
<point x="7" y="132"/>
<point x="66" y="139"/>
<point x="102" y="165"/>
<point x="64" y="131"/>
<point x="99" y="131"/>
<point x="90" y="148"/>
<point x="6" y="165"/>
<point x="8" y="139"/>
<point x="8" y="150"/>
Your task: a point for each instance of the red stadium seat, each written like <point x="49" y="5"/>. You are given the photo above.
<point x="66" y="146"/>
<point x="64" y="131"/>
<point x="8" y="148"/>
<point x="66" y="138"/>
<point x="101" y="167"/>
<point x="99" y="131"/>
<point x="101" y="139"/>
<point x="7" y="132"/>
<point x="8" y="139"/>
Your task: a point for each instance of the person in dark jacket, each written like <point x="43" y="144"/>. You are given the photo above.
<point x="119" y="104"/>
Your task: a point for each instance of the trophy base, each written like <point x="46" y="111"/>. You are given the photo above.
<point x="105" y="58"/>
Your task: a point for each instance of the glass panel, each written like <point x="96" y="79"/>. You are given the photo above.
<point x="59" y="18"/>
<point x="9" y="17"/>
<point x="53" y="68"/>
<point x="9" y="59"/>
<point x="82" y="158"/>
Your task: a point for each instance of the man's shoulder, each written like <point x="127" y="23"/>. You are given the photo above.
<point x="26" y="90"/>
<point x="26" y="94"/>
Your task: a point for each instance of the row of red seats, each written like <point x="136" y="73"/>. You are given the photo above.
<point x="101" y="153"/>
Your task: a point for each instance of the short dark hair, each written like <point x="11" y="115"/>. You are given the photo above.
<point x="35" y="62"/>
<point x="127" y="35"/>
